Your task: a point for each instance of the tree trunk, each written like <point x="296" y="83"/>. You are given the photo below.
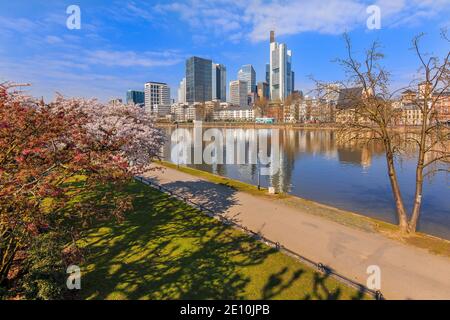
<point x="417" y="200"/>
<point x="401" y="213"/>
<point x="419" y="175"/>
<point x="7" y="255"/>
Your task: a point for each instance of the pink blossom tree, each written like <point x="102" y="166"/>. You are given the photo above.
<point x="44" y="149"/>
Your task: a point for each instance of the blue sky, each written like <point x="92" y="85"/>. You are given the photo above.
<point x="122" y="44"/>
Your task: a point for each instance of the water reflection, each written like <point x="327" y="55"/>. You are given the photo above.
<point x="313" y="165"/>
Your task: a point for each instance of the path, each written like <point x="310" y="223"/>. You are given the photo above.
<point x="406" y="272"/>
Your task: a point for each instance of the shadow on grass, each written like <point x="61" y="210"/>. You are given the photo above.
<point x="168" y="250"/>
<point x="215" y="197"/>
<point x="275" y="285"/>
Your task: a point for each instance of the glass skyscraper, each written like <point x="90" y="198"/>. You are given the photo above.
<point x="135" y="97"/>
<point x="219" y="82"/>
<point x="248" y="74"/>
<point x="198" y="80"/>
<point x="281" y="82"/>
<point x="293" y="80"/>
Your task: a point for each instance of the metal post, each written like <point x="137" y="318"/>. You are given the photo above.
<point x="259" y="175"/>
<point x="257" y="160"/>
<point x="178" y="155"/>
<point x="378" y="295"/>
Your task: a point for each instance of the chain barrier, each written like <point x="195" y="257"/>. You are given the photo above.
<point x="274" y="244"/>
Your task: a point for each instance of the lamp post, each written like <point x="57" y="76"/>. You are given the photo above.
<point x="178" y="154"/>
<point x="257" y="161"/>
<point x="259" y="174"/>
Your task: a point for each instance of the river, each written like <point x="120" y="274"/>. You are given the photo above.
<point x="315" y="165"/>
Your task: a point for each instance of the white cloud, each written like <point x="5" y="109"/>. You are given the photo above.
<point x="82" y="72"/>
<point x="134" y="59"/>
<point x="67" y="77"/>
<point x="413" y="12"/>
<point x="18" y="24"/>
<point x="287" y="18"/>
<point x="255" y="18"/>
<point x="221" y="17"/>
<point x="53" y="39"/>
<point x="77" y="63"/>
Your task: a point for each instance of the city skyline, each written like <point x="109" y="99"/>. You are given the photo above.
<point x="224" y="151"/>
<point x="120" y="46"/>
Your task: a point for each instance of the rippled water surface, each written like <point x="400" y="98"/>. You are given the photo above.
<point x="313" y="165"/>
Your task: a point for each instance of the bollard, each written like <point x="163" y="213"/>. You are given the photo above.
<point x="378" y="295"/>
<point x="320" y="267"/>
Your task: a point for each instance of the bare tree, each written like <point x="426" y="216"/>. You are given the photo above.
<point x="262" y="105"/>
<point x="369" y="112"/>
<point x="291" y="106"/>
<point x="205" y="112"/>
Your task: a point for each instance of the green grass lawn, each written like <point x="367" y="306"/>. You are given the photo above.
<point x="168" y="250"/>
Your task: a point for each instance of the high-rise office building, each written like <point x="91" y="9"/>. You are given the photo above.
<point x="156" y="93"/>
<point x="135" y="97"/>
<point x="263" y="90"/>
<point x="238" y="93"/>
<point x="182" y="91"/>
<point x="198" y="80"/>
<point x="268" y="73"/>
<point x="248" y="74"/>
<point x="280" y="82"/>
<point x="115" y="102"/>
<point x="219" y="82"/>
<point x="292" y="80"/>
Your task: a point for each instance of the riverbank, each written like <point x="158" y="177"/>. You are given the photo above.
<point x="344" y="240"/>
<point x="251" y="125"/>
<point x="431" y="243"/>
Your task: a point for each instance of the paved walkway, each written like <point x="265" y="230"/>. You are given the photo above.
<point x="406" y="272"/>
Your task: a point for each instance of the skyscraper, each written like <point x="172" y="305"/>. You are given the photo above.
<point x="238" y="93"/>
<point x="280" y="82"/>
<point x="135" y="97"/>
<point x="198" y="80"/>
<point x="219" y="82"/>
<point x="268" y="73"/>
<point x="182" y="91"/>
<point x="156" y="93"/>
<point x="248" y="74"/>
<point x="292" y="80"/>
<point x="263" y="90"/>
